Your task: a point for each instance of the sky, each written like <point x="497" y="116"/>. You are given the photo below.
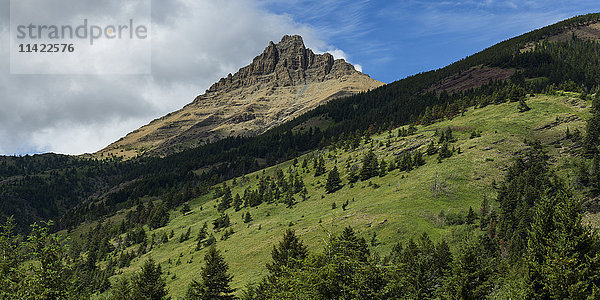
<point x="196" y="42"/>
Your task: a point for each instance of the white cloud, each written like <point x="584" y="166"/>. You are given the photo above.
<point x="194" y="44"/>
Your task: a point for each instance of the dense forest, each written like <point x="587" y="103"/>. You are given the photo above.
<point x="532" y="243"/>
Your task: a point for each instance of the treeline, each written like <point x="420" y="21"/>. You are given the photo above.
<point x="41" y="187"/>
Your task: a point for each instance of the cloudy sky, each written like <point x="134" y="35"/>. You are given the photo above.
<point x="195" y="42"/>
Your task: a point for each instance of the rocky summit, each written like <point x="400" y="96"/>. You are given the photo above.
<point x="283" y="82"/>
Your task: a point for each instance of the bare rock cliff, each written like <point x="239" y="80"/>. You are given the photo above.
<point x="286" y="80"/>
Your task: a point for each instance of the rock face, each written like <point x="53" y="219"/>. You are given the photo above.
<point x="286" y="80"/>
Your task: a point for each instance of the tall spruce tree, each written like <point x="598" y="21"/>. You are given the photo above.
<point x="334" y="182"/>
<point x="590" y="144"/>
<point x="563" y="254"/>
<point x="370" y="166"/>
<point x="289" y="253"/>
<point x="320" y="167"/>
<point x="121" y="290"/>
<point x="472" y="274"/>
<point x="215" y="280"/>
<point x="148" y="283"/>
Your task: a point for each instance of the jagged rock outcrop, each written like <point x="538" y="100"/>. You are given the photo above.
<point x="286" y="80"/>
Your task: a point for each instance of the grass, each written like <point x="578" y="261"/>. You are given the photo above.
<point x="396" y="207"/>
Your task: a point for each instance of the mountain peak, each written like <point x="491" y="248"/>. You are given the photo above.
<point x="291" y="41"/>
<point x="284" y="81"/>
<point x="287" y="63"/>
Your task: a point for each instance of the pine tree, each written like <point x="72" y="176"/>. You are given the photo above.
<point x="221" y="222"/>
<point x="431" y="149"/>
<point x="121" y="290"/>
<point x="215" y="280"/>
<point x="523" y="107"/>
<point x="471" y="275"/>
<point x="517" y="93"/>
<point x="50" y="278"/>
<point x="289" y="253"/>
<point x="160" y="217"/>
<point x="382" y="168"/>
<point x="406" y="162"/>
<point x="418" y="159"/>
<point x="148" y="283"/>
<point x="590" y="144"/>
<point x="445" y="152"/>
<point x="10" y="260"/>
<point x="320" y="167"/>
<point x="483" y="213"/>
<point x="237" y="202"/>
<point x="370" y="166"/>
<point x="202" y="234"/>
<point x="349" y="244"/>
<point x="247" y="217"/>
<point x="563" y="258"/>
<point x="226" y="200"/>
<point x="333" y="181"/>
<point x="470" y="218"/>
<point x="185" y="236"/>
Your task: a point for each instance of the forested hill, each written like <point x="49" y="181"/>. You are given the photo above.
<point x="564" y="56"/>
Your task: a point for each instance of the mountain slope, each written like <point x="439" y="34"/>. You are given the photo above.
<point x="398" y="206"/>
<point x="286" y="80"/>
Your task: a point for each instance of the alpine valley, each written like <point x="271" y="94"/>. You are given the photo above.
<point x="299" y="177"/>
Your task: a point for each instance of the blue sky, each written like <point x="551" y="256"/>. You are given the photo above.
<point x="395" y="39"/>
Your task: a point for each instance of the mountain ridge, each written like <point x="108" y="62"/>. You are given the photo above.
<point x="284" y="81"/>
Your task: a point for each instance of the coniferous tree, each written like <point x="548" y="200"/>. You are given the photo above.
<point x="523" y="107"/>
<point x="214" y="279"/>
<point x="121" y="290"/>
<point x="202" y="235"/>
<point x="370" y="166"/>
<point x="483" y="213"/>
<point x="221" y="222"/>
<point x="445" y="152"/>
<point x="517" y="93"/>
<point x="592" y="136"/>
<point x="10" y="260"/>
<point x="470" y="218"/>
<point x="160" y="217"/>
<point x="50" y="278"/>
<point x="431" y="149"/>
<point x="418" y="159"/>
<point x="237" y="202"/>
<point x="472" y="275"/>
<point x="383" y="168"/>
<point x="406" y="162"/>
<point x="185" y="236"/>
<point x="563" y="254"/>
<point x="289" y="253"/>
<point x="247" y="217"/>
<point x="420" y="267"/>
<point x="348" y="243"/>
<point x="320" y="167"/>
<point x="333" y="181"/>
<point x="148" y="283"/>
<point x="226" y="200"/>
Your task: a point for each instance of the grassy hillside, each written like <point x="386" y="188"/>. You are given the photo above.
<point x="395" y="207"/>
